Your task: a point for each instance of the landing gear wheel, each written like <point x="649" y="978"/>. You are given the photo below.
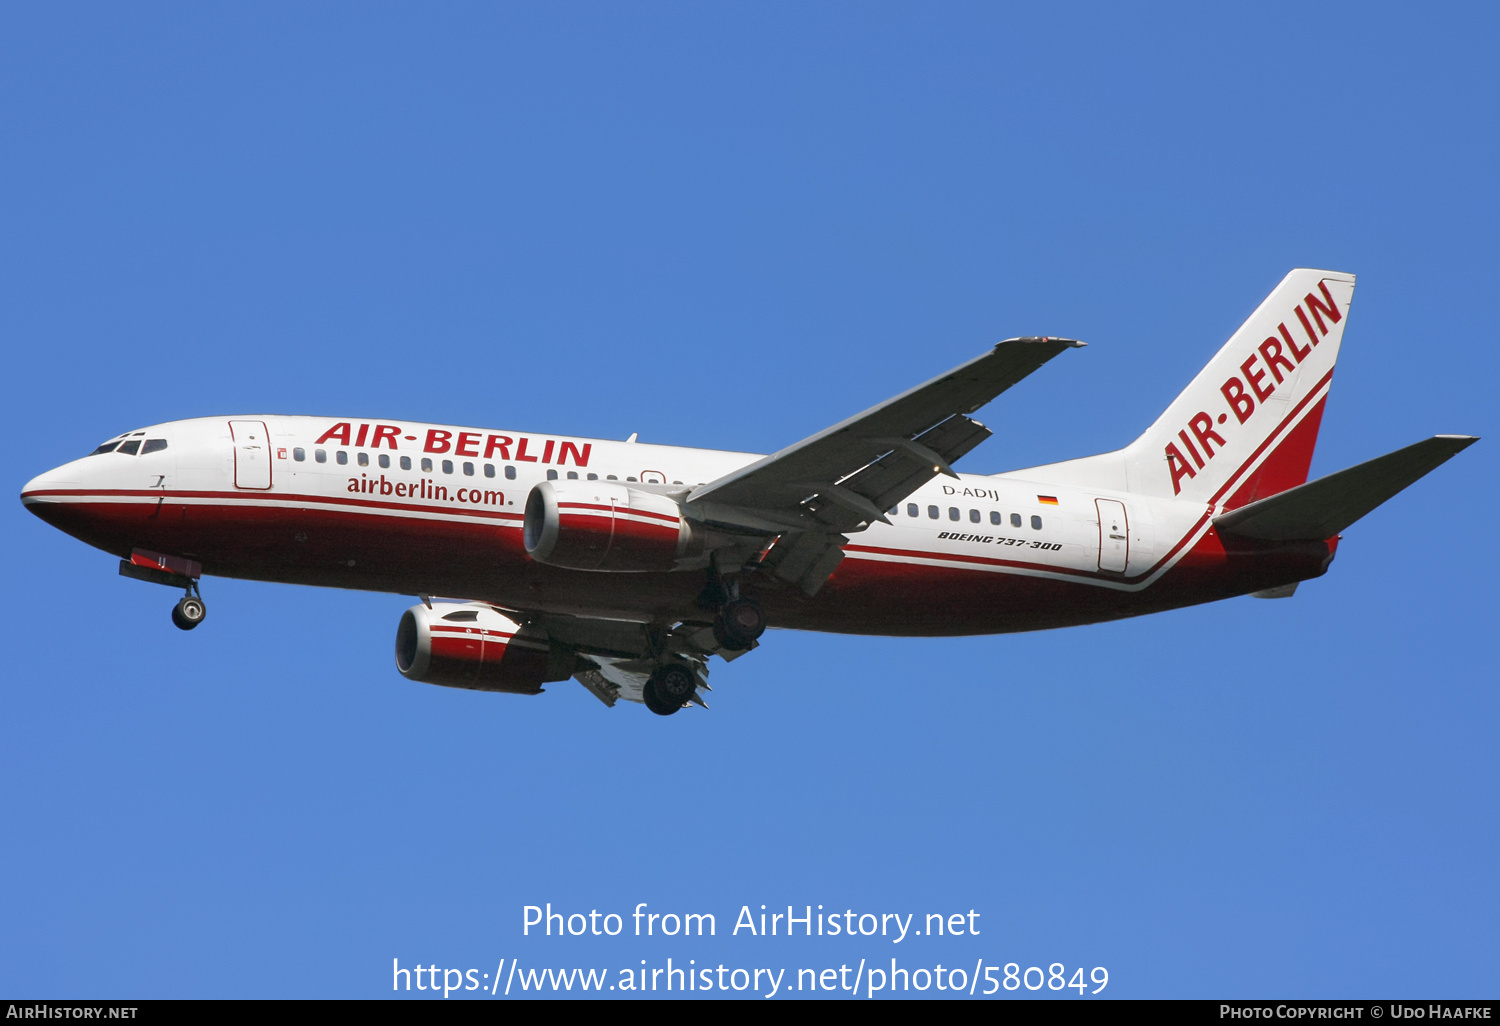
<point x="740" y="624"/>
<point x="669" y="688"/>
<point x="189" y="612"/>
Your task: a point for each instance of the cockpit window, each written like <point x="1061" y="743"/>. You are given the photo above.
<point x="106" y="447"/>
<point x="129" y="447"/>
<point x="154" y="445"/>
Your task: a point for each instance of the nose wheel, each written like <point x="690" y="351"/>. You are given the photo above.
<point x="190" y="610"/>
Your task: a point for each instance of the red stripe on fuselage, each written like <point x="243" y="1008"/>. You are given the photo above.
<point x="620" y="511"/>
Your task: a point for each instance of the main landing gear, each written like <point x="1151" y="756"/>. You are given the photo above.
<point x="738" y="620"/>
<point x="190" y="610"/>
<point x="669" y="688"/>
<point x="740" y="624"/>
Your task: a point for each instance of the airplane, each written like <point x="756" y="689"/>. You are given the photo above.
<point x="628" y="566"/>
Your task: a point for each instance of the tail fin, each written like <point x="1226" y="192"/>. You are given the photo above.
<point x="1244" y="429"/>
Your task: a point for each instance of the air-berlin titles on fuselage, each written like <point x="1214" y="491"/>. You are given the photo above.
<point x="473" y="444"/>
<point x="1274" y="361"/>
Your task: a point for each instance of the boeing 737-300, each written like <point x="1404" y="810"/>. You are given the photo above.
<point x="628" y="566"/>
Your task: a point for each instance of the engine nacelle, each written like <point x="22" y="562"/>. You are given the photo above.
<point x="604" y="525"/>
<point x="475" y="646"/>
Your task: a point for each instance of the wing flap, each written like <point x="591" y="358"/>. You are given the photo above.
<point x="912" y="463"/>
<point x="806" y="558"/>
<point x="1323" y="508"/>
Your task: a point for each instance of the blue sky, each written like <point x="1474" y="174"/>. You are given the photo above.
<point x="730" y="226"/>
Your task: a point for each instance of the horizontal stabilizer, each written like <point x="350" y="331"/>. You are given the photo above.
<point x="1321" y="509"/>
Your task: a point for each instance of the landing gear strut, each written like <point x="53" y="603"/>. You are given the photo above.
<point x="669" y="688"/>
<point x="190" y="610"/>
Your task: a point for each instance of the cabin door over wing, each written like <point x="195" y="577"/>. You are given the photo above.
<point x="1114" y="535"/>
<point x="252" y="454"/>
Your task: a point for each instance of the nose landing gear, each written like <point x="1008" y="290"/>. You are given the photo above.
<point x="190" y="610"/>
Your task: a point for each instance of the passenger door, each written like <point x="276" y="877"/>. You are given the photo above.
<point x="252" y="454"/>
<point x="1114" y="535"/>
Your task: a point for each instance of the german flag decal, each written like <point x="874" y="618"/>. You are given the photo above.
<point x="1047" y="500"/>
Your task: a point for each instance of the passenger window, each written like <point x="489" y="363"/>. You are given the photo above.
<point x="426" y="465"/>
<point x="510" y="473"/>
<point x="613" y="478"/>
<point x="1015" y="520"/>
<point x="489" y="470"/>
<point x="129" y="448"/>
<point x="320" y="455"/>
<point x="932" y="512"/>
<point x="364" y="459"/>
<point x="593" y="477"/>
<point x="299" y="455"/>
<point x="341" y="456"/>
<point x="911" y="509"/>
<point x="385" y="461"/>
<point x="468" y="470"/>
<point x="572" y="475"/>
<point x="973" y="516"/>
<point x="154" y="445"/>
<point x="996" y="518"/>
<point x="1036" y="523"/>
<point x="952" y="512"/>
<point x="679" y="482"/>
<point x="551" y="475"/>
<point x="447" y="466"/>
<point x="406" y="463"/>
<point x="630" y="479"/>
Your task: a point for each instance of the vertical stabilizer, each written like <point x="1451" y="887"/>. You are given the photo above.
<point x="1245" y="427"/>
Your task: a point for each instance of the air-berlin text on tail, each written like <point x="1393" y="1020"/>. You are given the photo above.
<point x="458" y="442"/>
<point x="1269" y="364"/>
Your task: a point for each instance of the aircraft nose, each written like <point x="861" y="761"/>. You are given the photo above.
<point x="43" y="494"/>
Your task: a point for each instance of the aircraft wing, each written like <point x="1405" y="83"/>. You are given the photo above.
<point x="844" y="478"/>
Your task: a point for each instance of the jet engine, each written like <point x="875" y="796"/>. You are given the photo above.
<point x="474" y="646"/>
<point x="604" y="525"/>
